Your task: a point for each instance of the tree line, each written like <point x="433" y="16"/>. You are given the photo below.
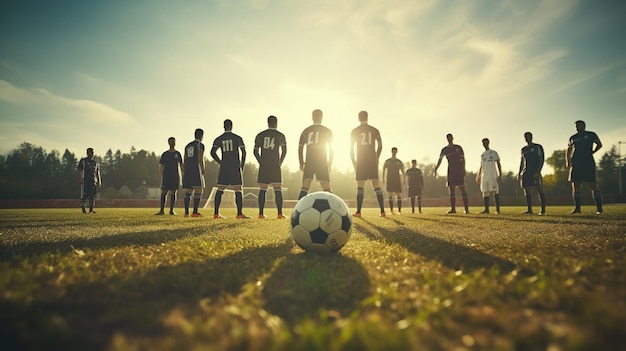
<point x="30" y="172"/>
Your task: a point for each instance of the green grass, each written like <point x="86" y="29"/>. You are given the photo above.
<point x="123" y="279"/>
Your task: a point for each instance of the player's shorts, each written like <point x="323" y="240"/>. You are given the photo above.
<point x="583" y="171"/>
<point x="489" y="184"/>
<point x="528" y="179"/>
<point x="89" y="189"/>
<point x="317" y="169"/>
<point x="415" y="191"/>
<point x="366" y="170"/>
<point x="170" y="182"/>
<point x="193" y="180"/>
<point x="269" y="173"/>
<point x="394" y="185"/>
<point x="456" y="177"/>
<point x="229" y="176"/>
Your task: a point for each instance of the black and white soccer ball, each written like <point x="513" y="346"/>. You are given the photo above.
<point x="321" y="222"/>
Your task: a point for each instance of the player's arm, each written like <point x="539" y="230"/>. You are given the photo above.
<point x="478" y="175"/>
<point x="301" y="156"/>
<point x="385" y="165"/>
<point x="438" y="163"/>
<point x="379" y="143"/>
<point x="257" y="149"/>
<point x="214" y="154"/>
<point x="463" y="160"/>
<point x="201" y="159"/>
<point x="352" y="147"/>
<point x="283" y="152"/>
<point x="243" y="156"/>
<point x="541" y="158"/>
<point x="598" y="144"/>
<point x="98" y="176"/>
<point x="161" y="169"/>
<point x="499" y="171"/>
<point x="521" y="165"/>
<point x="81" y="171"/>
<point x="568" y="154"/>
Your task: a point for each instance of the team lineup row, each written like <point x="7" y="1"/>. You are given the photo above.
<point x="315" y="157"/>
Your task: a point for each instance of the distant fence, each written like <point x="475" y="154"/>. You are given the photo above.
<point x="252" y="203"/>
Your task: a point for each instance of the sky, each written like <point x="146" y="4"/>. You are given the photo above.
<point x="122" y="74"/>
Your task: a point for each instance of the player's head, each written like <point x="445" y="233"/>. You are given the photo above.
<point x="414" y="163"/>
<point x="449" y="137"/>
<point x="317" y="116"/>
<point x="89" y="152"/>
<point x="580" y="126"/>
<point x="198" y="134"/>
<point x="363" y="116"/>
<point x="272" y="121"/>
<point x="171" y="141"/>
<point x="486" y="143"/>
<point x="394" y="150"/>
<point x="528" y="136"/>
<point x="228" y="125"/>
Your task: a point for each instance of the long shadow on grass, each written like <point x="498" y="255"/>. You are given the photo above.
<point x="87" y="315"/>
<point x="305" y="284"/>
<point x="450" y="255"/>
<point x="16" y="252"/>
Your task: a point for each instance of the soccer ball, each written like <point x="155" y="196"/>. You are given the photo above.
<point x="321" y="222"/>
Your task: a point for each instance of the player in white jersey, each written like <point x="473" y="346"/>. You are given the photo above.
<point x="489" y="175"/>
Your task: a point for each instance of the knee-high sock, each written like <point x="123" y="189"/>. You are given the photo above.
<point x="453" y="202"/>
<point x="303" y="193"/>
<point x="529" y="202"/>
<point x="262" y="193"/>
<point x="419" y="202"/>
<point x="360" y="194"/>
<point x="497" y="198"/>
<point x="412" y="203"/>
<point x="391" y="203"/>
<point x="163" y="196"/>
<point x="172" y="202"/>
<point x="187" y="201"/>
<point x="577" y="199"/>
<point x="278" y="197"/>
<point x="542" y="200"/>
<point x="486" y="201"/>
<point x="465" y="201"/>
<point x="399" y="203"/>
<point x="597" y="197"/>
<point x="196" y="201"/>
<point x="218" y="201"/>
<point x="239" y="202"/>
<point x="379" y="197"/>
<point x="92" y="201"/>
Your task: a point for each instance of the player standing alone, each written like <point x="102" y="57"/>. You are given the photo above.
<point x="317" y="140"/>
<point x="392" y="168"/>
<point x="90" y="180"/>
<point x="530" y="173"/>
<point x="582" y="166"/>
<point x="369" y="145"/>
<point x="169" y="167"/>
<point x="456" y="172"/>
<point x="270" y="149"/>
<point x="231" y="167"/>
<point x="416" y="185"/>
<point x="193" y="174"/>
<point x="489" y="176"/>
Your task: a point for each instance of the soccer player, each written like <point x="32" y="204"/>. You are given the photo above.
<point x="270" y="149"/>
<point x="366" y="146"/>
<point x="392" y="168"/>
<point x="169" y="167"/>
<point x="231" y="167"/>
<point x="319" y="154"/>
<point x="582" y="166"/>
<point x="489" y="176"/>
<point x="416" y="185"/>
<point x="193" y="174"/>
<point x="456" y="172"/>
<point x="530" y="173"/>
<point x="90" y="180"/>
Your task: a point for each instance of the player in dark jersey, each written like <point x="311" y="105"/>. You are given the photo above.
<point x="317" y="140"/>
<point x="392" y="169"/>
<point x="270" y="149"/>
<point x="231" y="167"/>
<point x="530" y="173"/>
<point x="582" y="166"/>
<point x="456" y="172"/>
<point x="366" y="146"/>
<point x="169" y="167"/>
<point x="415" y="178"/>
<point x="90" y="180"/>
<point x="193" y="174"/>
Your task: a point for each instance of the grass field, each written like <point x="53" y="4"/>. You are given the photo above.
<point x="123" y="279"/>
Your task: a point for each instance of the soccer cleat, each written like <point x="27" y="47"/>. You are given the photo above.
<point x="92" y="211"/>
<point x="382" y="214"/>
<point x="542" y="213"/>
<point x="528" y="212"/>
<point x="356" y="214"/>
<point x="242" y="216"/>
<point x="196" y="214"/>
<point x="599" y="212"/>
<point x="485" y="211"/>
<point x="451" y="211"/>
<point x="262" y="216"/>
<point x="281" y="216"/>
<point x="160" y="213"/>
<point x="575" y="211"/>
<point x="186" y="215"/>
<point x="218" y="216"/>
<point x="172" y="213"/>
<point x="466" y="212"/>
